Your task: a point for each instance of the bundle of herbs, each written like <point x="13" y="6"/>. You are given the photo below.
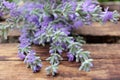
<point x="53" y="22"/>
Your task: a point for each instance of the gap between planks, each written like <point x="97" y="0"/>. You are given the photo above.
<point x="98" y="51"/>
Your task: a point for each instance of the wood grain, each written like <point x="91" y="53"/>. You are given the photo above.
<point x="14" y="33"/>
<point x="98" y="51"/>
<point x="108" y="29"/>
<point x="112" y="5"/>
<point x="103" y="69"/>
<point x="96" y="29"/>
<point x="106" y="64"/>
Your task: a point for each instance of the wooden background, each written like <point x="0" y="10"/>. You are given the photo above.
<point x="106" y="59"/>
<point x="102" y="41"/>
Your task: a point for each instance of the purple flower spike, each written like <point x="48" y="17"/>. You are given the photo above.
<point x="36" y="42"/>
<point x="72" y="16"/>
<point x="32" y="52"/>
<point x="21" y="55"/>
<point x="9" y="5"/>
<point x="78" y="23"/>
<point x="1" y="13"/>
<point x="73" y="4"/>
<point x="60" y="51"/>
<point x="24" y="44"/>
<point x="70" y="57"/>
<point x="88" y="6"/>
<point x="37" y="68"/>
<point x="51" y="51"/>
<point x="107" y="15"/>
<point x="65" y="30"/>
<point x="33" y="61"/>
<point x="32" y="19"/>
<point x="30" y="58"/>
<point x="15" y="13"/>
<point x="48" y="18"/>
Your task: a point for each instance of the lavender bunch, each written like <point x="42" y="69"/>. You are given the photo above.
<point x="53" y="21"/>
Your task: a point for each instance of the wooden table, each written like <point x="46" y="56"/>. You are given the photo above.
<point x="106" y="59"/>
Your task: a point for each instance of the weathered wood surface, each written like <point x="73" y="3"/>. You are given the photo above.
<point x="96" y="29"/>
<point x="112" y="5"/>
<point x="109" y="29"/>
<point x="106" y="64"/>
<point x="14" y="33"/>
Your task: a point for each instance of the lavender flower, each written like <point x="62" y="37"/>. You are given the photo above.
<point x="77" y="24"/>
<point x="66" y="30"/>
<point x="15" y="13"/>
<point x="70" y="57"/>
<point x="88" y="6"/>
<point x="9" y="5"/>
<point x="21" y="55"/>
<point x="37" y="68"/>
<point x="30" y="58"/>
<point x="29" y="6"/>
<point x="46" y="20"/>
<point x="1" y="13"/>
<point x="24" y="43"/>
<point x="33" y="61"/>
<point x="107" y="15"/>
<point x="73" y="5"/>
<point x="72" y="16"/>
<point x="32" y="19"/>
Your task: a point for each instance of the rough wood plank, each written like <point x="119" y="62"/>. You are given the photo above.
<point x="102" y="70"/>
<point x="109" y="29"/>
<point x="106" y="64"/>
<point x="96" y="29"/>
<point x="14" y="33"/>
<point x="112" y="5"/>
<point x="16" y="70"/>
<point x="98" y="51"/>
